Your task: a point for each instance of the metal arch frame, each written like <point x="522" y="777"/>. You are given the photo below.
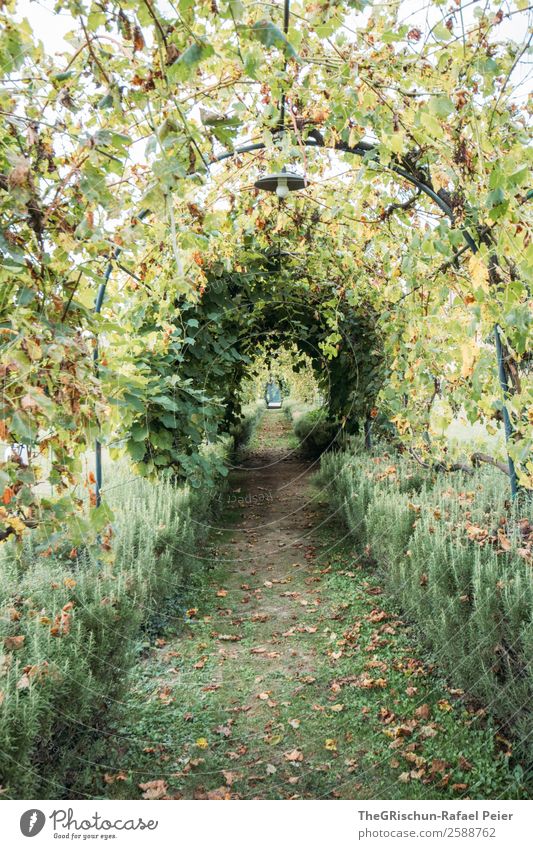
<point x="360" y="149"/>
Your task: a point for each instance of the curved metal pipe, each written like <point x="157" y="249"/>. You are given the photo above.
<point x="360" y="149"/>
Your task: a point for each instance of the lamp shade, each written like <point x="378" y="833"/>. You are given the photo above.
<point x="281" y="182"/>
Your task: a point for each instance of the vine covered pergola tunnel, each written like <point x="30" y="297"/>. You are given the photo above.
<point x="202" y="209"/>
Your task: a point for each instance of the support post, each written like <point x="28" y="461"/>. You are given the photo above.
<point x="100" y="295"/>
<point x="368" y="433"/>
<point x="504" y="383"/>
<point x="96" y="360"/>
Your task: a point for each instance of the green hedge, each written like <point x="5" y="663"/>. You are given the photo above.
<point x="242" y="430"/>
<point x="435" y="538"/>
<point x="71" y="625"/>
<point x="316" y="432"/>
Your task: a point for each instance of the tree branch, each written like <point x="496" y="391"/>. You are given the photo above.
<point x="479" y="457"/>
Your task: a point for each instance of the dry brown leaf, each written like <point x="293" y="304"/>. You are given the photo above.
<point x="154" y="789"/>
<point x="110" y="779"/>
<point x="221" y="794"/>
<point x="294" y="756"/>
<point x="230" y="776"/>
<point x="13" y="643"/>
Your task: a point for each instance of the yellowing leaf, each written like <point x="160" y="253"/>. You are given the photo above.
<point x="468" y="353"/>
<point x="202" y="743"/>
<point x="478" y="272"/>
<point x="17" y="524"/>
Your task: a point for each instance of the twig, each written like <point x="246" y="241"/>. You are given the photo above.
<point x="93" y="54"/>
<point x="67" y="305"/>
<point x="156" y="22"/>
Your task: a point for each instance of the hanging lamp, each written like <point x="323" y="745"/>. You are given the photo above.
<point x="281" y="182"/>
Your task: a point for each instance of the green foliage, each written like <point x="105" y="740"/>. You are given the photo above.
<point x="242" y="430"/>
<point x="114" y="185"/>
<point x="316" y="432"/>
<point x="465" y="585"/>
<point x="71" y="625"/>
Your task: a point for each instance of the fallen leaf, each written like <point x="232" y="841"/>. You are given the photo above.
<point x="221" y="793"/>
<point x="293" y="756"/>
<point x="428" y="731"/>
<point x="438" y="765"/>
<point x="13" y="643"/>
<point x="154" y="789"/>
<point x="371" y="683"/>
<point x="423" y="712"/>
<point x="119" y="776"/>
<point x="504" y="541"/>
<point x="230" y="776"/>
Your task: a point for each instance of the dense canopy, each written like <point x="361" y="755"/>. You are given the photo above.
<point x="393" y="269"/>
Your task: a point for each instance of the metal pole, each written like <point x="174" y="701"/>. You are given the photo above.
<point x="96" y="360"/>
<point x="286" y="12"/>
<point x="368" y="433"/>
<point x="505" y="413"/>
